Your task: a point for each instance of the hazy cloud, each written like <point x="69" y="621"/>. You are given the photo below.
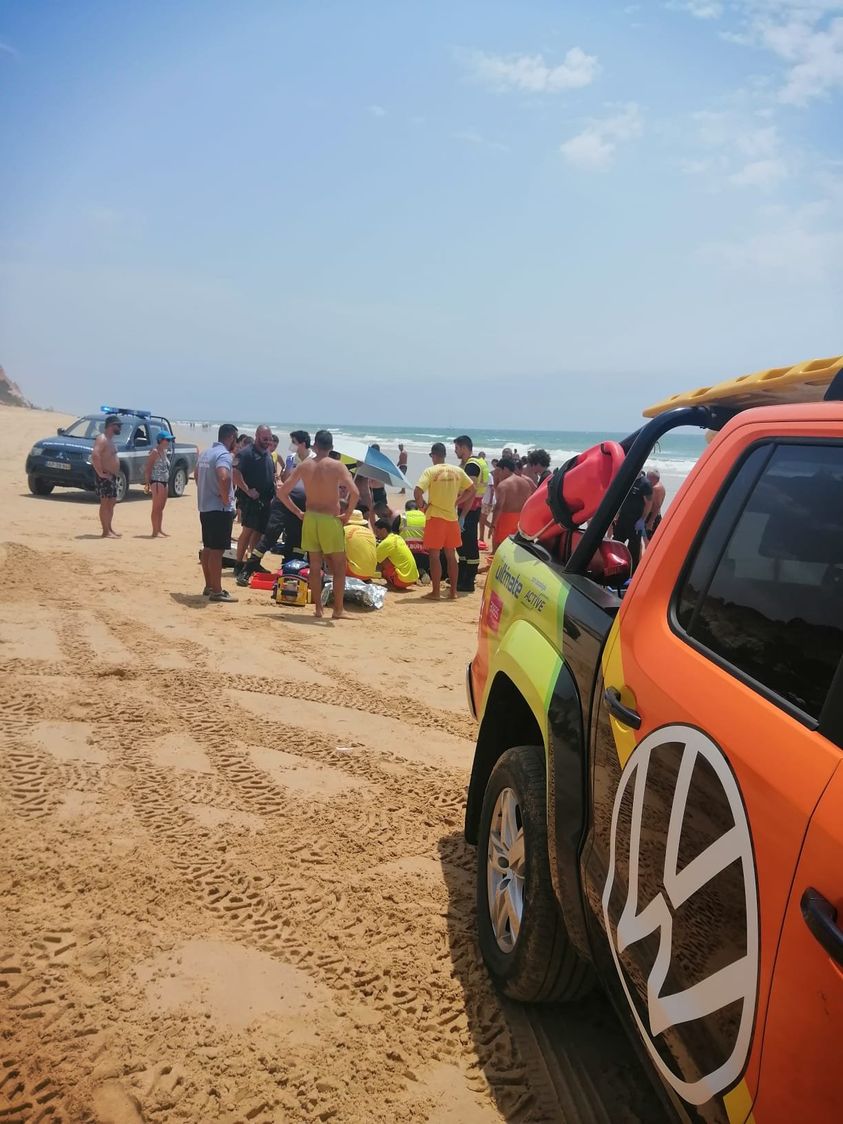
<point x="737" y="151"/>
<point x="468" y="136"/>
<point x="594" y="148"/>
<point x="763" y="174"/>
<point x="699" y="9"/>
<point x="377" y="111"/>
<point x="531" y="74"/>
<point x="804" y="244"/>
<point x="805" y="35"/>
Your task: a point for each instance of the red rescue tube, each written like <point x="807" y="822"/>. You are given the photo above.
<point x="574" y="491"/>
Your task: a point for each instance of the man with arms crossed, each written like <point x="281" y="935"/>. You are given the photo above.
<point x="511" y="493"/>
<point x="215" y="497"/>
<point x="444" y="484"/>
<point x="281" y="521"/>
<point x="254" y="475"/>
<point x="323" y="527"/>
<point x="106" y="466"/>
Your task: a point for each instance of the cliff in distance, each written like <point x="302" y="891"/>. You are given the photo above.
<point x="10" y="392"/>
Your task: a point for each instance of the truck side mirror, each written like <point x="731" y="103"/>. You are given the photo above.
<point x="60" y="431"/>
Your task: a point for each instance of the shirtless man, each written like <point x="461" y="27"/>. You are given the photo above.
<point x="402" y="464"/>
<point x="106" y="466"/>
<point x="654" y="516"/>
<point x="511" y="493"/>
<point x="323" y="527"/>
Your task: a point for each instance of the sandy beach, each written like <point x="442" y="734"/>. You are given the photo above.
<point x="233" y="877"/>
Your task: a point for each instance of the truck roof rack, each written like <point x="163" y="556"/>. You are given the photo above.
<point x="812" y="381"/>
<point x="125" y="410"/>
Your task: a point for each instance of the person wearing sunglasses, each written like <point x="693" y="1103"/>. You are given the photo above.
<point x="106" y="466"/>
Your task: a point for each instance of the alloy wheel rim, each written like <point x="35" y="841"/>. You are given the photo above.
<point x="505" y="870"/>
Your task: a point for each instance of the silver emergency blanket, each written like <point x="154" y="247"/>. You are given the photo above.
<point x="358" y="592"/>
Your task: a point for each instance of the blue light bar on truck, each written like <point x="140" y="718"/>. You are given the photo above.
<point x="124" y="410"/>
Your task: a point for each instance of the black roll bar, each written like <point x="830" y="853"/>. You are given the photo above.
<point x="638" y="447"/>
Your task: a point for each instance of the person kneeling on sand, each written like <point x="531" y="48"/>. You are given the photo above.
<point x="360" y="545"/>
<point x="322" y="524"/>
<point x="395" y="558"/>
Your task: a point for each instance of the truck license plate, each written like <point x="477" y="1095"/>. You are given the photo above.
<point x="59" y="464"/>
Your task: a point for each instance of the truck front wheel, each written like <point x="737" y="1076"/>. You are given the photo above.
<point x="521" y="931"/>
<point x="39" y="486"/>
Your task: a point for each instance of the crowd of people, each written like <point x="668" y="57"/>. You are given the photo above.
<point x="311" y="505"/>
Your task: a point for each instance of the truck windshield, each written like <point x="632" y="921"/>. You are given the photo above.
<point x="84" y="427"/>
<point x="90" y="428"/>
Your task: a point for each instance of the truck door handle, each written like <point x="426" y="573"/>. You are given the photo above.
<point x="821" y="918"/>
<point x="624" y="714"/>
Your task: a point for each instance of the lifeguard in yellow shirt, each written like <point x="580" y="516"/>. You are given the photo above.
<point x="360" y="548"/>
<point x="395" y="558"/>
<point x="444" y="484"/>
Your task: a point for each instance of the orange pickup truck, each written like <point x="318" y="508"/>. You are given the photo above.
<point x="657" y="789"/>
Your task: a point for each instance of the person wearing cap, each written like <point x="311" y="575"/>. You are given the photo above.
<point x="157" y="478"/>
<point x="106" y="465"/>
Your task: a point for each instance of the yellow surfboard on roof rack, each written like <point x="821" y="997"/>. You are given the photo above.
<point x="805" y="382"/>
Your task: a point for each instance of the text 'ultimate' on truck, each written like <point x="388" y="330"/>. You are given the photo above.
<point x="657" y="789"/>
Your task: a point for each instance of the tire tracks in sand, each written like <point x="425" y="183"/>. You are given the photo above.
<point x="341" y="883"/>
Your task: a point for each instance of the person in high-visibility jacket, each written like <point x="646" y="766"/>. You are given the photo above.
<point x="395" y="558"/>
<point x="411" y="523"/>
<point x="468" y="554"/>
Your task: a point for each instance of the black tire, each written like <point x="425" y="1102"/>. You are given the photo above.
<point x="122" y="485"/>
<point x="178" y="482"/>
<point x="543" y="966"/>
<point x="39" y="486"/>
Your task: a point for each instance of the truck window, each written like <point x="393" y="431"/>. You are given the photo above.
<point x="765" y="590"/>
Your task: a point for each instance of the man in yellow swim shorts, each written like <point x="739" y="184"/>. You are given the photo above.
<point x="323" y="534"/>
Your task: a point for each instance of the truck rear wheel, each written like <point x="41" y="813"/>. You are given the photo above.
<point x="178" y="482"/>
<point x="122" y="485"/>
<point x="521" y="931"/>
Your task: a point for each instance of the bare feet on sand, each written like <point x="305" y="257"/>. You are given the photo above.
<point x="111" y="535"/>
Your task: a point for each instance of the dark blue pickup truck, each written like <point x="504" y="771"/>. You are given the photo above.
<point x="65" y="460"/>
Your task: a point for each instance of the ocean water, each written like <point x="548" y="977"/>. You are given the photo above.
<point x="675" y="455"/>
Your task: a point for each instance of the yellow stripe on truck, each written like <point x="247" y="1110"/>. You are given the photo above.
<point x="612" y="663"/>
<point x="532" y="665"/>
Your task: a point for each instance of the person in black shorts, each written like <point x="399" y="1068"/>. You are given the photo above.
<point x="215" y="499"/>
<point x="378" y="492"/>
<point x="254" y="475"/>
<point x="632" y="517"/>
<point x="281" y="522"/>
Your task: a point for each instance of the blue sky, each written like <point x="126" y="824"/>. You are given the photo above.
<point x="491" y="212"/>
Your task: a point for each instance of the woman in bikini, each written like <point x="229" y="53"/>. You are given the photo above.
<point x="157" y="474"/>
